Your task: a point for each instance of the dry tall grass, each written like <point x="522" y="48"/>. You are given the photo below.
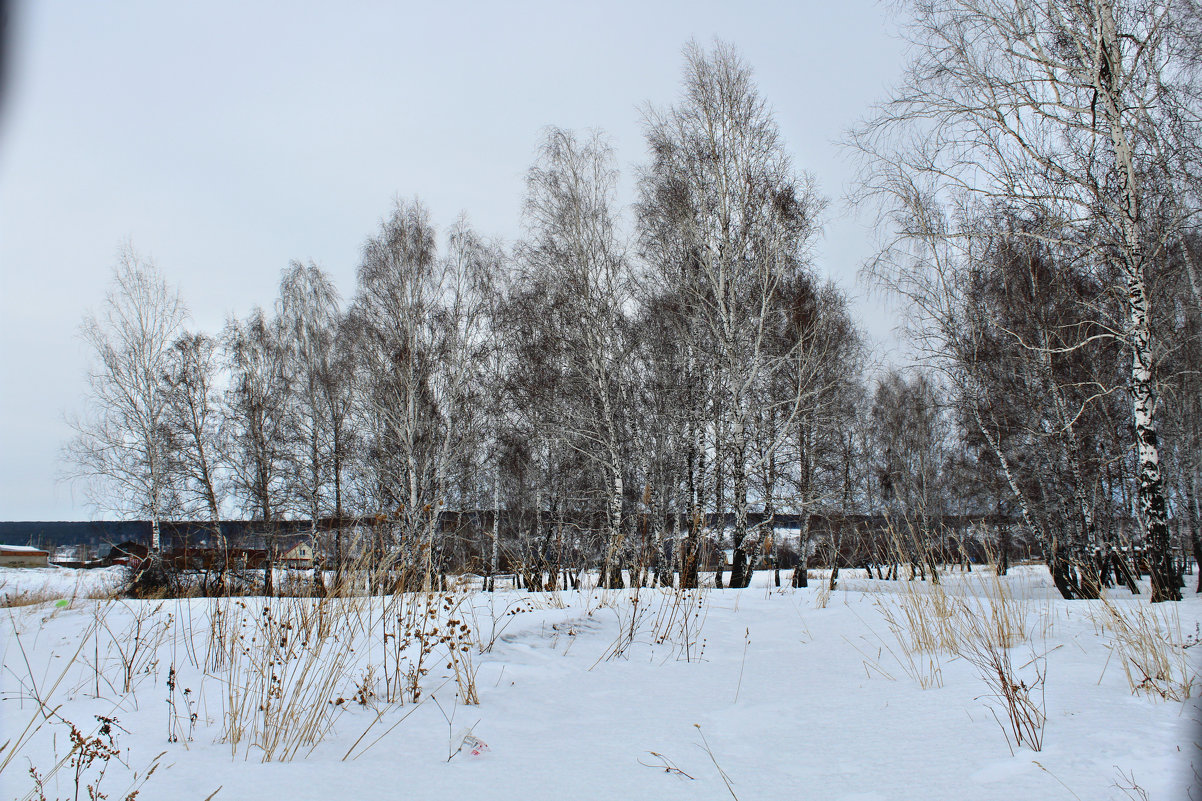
<point x="656" y="617"/>
<point x="979" y="619"/>
<point x="288" y="659"/>
<point x="985" y="641"/>
<point x="1152" y="648"/>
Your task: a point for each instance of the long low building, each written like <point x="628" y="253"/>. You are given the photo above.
<point x="23" y="556"/>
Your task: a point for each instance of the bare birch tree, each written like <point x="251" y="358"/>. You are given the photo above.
<point x="722" y="195"/>
<point x="461" y="346"/>
<point x="1067" y="105"/>
<point x="195" y="414"/>
<point x="257" y="425"/>
<point x="420" y="322"/>
<point x="122" y="447"/>
<point x="309" y="316"/>
<point x="392" y="311"/>
<point x="573" y="256"/>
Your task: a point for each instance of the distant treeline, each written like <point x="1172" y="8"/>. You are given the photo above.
<point x="621" y="374"/>
<point x="97" y="533"/>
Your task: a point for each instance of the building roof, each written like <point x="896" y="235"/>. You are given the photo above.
<point x="26" y="549"/>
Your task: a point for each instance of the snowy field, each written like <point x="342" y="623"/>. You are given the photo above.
<point x="879" y="690"/>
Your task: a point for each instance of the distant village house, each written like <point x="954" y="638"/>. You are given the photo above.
<point x="23" y="556"/>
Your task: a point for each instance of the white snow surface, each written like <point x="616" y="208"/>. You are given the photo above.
<point x="59" y="581"/>
<point x="792" y="693"/>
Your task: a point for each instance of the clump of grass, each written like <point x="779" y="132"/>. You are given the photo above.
<point x="220" y="640"/>
<point x="660" y="616"/>
<point x="929" y="622"/>
<point x="31" y="597"/>
<point x="922" y="622"/>
<point x="498" y="619"/>
<point x="457" y="638"/>
<point x="823" y="596"/>
<point x="1151" y="648"/>
<point x="910" y="637"/>
<point x="286" y="665"/>
<point x="679" y="621"/>
<point x="985" y="642"/>
<point x="136" y="645"/>
<point x="923" y="618"/>
<point x="413" y="626"/>
<point x="89" y="760"/>
<point x="991" y="601"/>
<point x="633" y="613"/>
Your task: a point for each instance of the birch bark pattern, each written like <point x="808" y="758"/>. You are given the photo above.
<point x="1153" y="515"/>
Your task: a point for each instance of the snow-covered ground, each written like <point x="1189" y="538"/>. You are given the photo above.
<point x="782" y="693"/>
<point x="58" y="581"/>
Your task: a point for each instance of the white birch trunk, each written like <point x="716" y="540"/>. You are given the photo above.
<point x="495" y="557"/>
<point x="1151" y="483"/>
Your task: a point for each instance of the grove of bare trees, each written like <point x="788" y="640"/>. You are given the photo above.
<point x="640" y="393"/>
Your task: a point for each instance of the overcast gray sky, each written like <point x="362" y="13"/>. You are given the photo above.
<point x="226" y="138"/>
